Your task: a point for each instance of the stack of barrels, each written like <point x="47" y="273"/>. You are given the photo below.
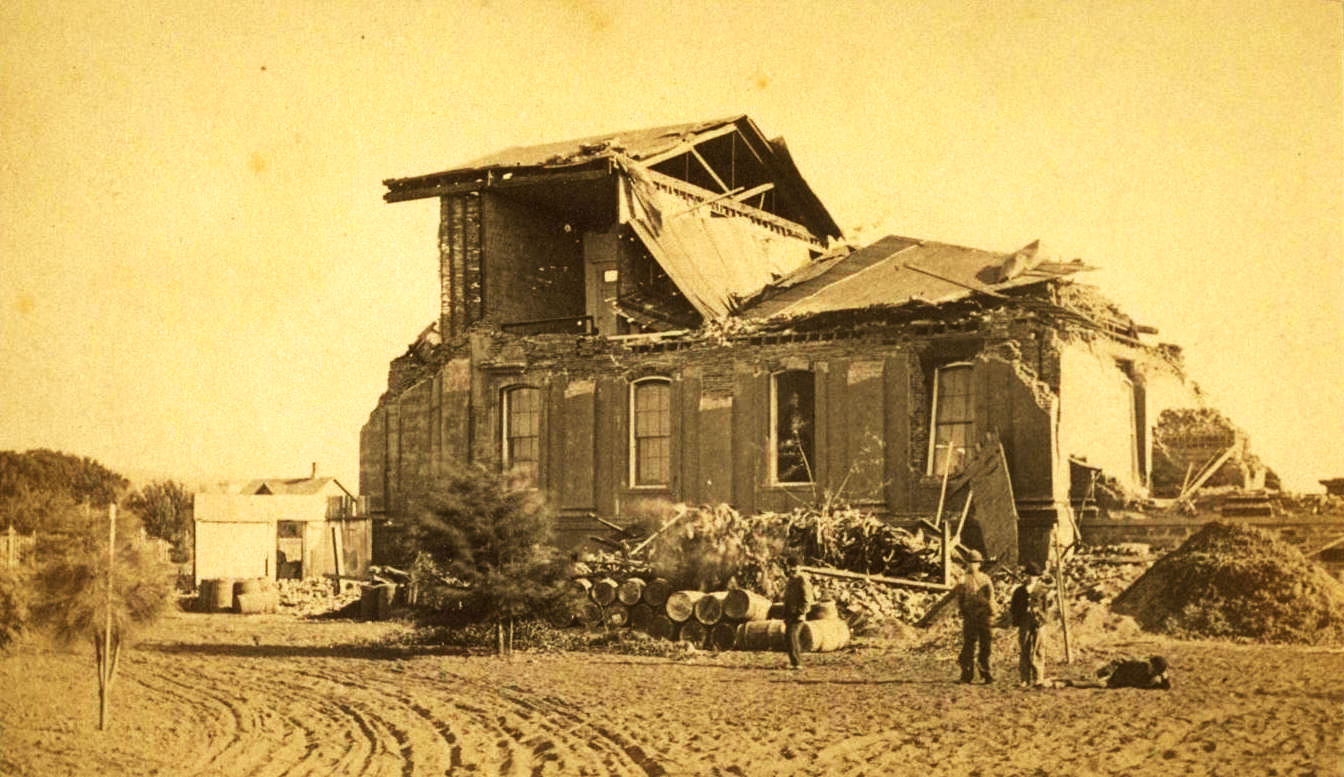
<point x="247" y="596"/>
<point x="717" y="620"/>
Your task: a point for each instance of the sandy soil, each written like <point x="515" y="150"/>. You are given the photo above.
<point x="269" y="695"/>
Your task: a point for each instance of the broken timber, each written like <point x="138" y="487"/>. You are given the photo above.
<point x="897" y="581"/>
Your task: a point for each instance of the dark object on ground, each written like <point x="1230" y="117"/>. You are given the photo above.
<point x="1147" y="673"/>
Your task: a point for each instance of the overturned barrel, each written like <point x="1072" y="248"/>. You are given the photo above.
<point x="604" y="591"/>
<point x="762" y="635"/>
<point x="693" y="632"/>
<point x="743" y="605"/>
<point x="641" y="615"/>
<point x="723" y="636"/>
<point x="681" y="605"/>
<point x="656" y="592"/>
<point x="630" y="591"/>
<point x="823" y="635"/>
<point x="709" y="608"/>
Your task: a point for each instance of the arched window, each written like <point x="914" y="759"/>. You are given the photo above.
<point x="650" y="432"/>
<point x="793" y="426"/>
<point x="521" y="412"/>
<point x="953" y="415"/>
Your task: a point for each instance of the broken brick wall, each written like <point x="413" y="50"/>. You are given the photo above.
<point x="872" y="396"/>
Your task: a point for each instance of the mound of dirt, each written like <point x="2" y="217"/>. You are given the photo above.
<point x="1237" y="582"/>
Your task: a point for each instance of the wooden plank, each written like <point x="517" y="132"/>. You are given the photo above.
<point x="896" y="581"/>
<point x="686" y="412"/>
<point x="896" y="432"/>
<point x="607" y="444"/>
<point x="835" y="459"/>
<point x="717" y="421"/>
<point x="750" y="395"/>
<point x="722" y="185"/>
<point x="530" y="178"/>
<point x="579" y="449"/>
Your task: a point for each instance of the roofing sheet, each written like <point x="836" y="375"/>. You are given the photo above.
<point x="638" y="144"/>
<point x="897" y="270"/>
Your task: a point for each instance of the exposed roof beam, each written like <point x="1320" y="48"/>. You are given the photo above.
<point x="685" y="146"/>
<point x="722" y="186"/>
<point x="752" y="192"/>
<point x="492" y="180"/>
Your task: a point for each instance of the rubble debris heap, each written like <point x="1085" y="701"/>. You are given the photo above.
<point x="1238" y="582"/>
<point x="671" y="313"/>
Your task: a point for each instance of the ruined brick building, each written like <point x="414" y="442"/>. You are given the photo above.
<point x="671" y="313"/>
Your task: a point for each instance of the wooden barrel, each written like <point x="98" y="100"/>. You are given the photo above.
<point x="222" y="594"/>
<point x="617" y="615"/>
<point x="250" y="604"/>
<point x="368" y="609"/>
<point x="693" y="632"/>
<point x="709" y="610"/>
<point x="580" y="588"/>
<point x="762" y="635"/>
<point x="248" y="585"/>
<point x="723" y="636"/>
<point x="823" y="610"/>
<point x="656" y="592"/>
<point x="823" y="635"/>
<point x="681" y="605"/>
<point x="742" y="605"/>
<point x="662" y="627"/>
<point x="640" y="617"/>
<point x="589" y="613"/>
<point x="630" y="592"/>
<point x="604" y="591"/>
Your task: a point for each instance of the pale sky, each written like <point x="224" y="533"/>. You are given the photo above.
<point x="200" y="278"/>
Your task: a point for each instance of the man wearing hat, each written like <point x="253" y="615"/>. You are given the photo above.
<point x="1028" y="610"/>
<point x="975" y="599"/>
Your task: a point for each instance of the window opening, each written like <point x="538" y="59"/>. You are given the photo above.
<point x="651" y="432"/>
<point x="953" y="419"/>
<point x="522" y="431"/>
<point x="793" y="426"/>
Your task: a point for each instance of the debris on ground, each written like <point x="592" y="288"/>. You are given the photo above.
<point x="316" y="596"/>
<point x="1231" y="581"/>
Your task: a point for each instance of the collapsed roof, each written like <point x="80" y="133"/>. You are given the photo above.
<point x="895" y="271"/>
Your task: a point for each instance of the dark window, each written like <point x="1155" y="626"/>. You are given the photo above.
<point x="522" y="430"/>
<point x="651" y="432"/>
<point x="953" y="419"/>
<point x="793" y="399"/>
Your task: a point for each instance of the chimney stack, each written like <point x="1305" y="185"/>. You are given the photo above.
<point x="314" y="476"/>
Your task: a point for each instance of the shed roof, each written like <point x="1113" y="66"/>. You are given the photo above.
<point x="290" y="486"/>
<point x="896" y="270"/>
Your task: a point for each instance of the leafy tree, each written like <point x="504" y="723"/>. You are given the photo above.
<point x="77" y="597"/>
<point x="493" y="532"/>
<point x="37" y="486"/>
<point x="165" y="510"/>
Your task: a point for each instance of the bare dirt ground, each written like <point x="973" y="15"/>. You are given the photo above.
<point x="270" y="695"/>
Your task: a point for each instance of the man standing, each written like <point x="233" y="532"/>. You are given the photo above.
<point x="975" y="599"/>
<point x="798" y="599"/>
<point x="1028" y="611"/>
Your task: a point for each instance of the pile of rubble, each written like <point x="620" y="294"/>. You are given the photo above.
<point x="316" y="596"/>
<point x="1231" y="581"/>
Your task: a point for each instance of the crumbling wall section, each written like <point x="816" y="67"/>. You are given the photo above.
<point x="532" y="265"/>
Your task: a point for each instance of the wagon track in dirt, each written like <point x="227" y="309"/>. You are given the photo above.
<point x="287" y="717"/>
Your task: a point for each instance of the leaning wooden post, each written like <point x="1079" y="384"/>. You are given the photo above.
<point x="336" y="554"/>
<point x="104" y="671"/>
<point x="1063" y="601"/>
<point x="947" y="468"/>
<point x="947" y="552"/>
